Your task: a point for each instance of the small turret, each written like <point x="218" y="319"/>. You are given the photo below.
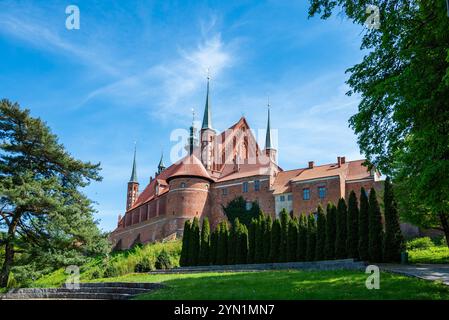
<point x="133" y="185"/>
<point x="269" y="150"/>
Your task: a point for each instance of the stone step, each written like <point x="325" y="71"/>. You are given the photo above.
<point x="136" y="285"/>
<point x="81" y="289"/>
<point x="69" y="295"/>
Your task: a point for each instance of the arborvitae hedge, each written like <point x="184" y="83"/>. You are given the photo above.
<point x="363" y="226"/>
<point x="241" y="245"/>
<point x="292" y="242"/>
<point x="252" y="241"/>
<point x="375" y="229"/>
<point x="184" y="259"/>
<point x="194" y="243"/>
<point x="284" y="217"/>
<point x="341" y="235"/>
<point x="214" y="245"/>
<point x="267" y="239"/>
<point x="311" y="237"/>
<point x="260" y="231"/>
<point x="394" y="241"/>
<point x="320" y="253"/>
<point x="222" y="250"/>
<point x="352" y="242"/>
<point x="331" y="229"/>
<point x="301" y="248"/>
<point x="275" y="241"/>
<point x="232" y="241"/>
<point x="205" y="243"/>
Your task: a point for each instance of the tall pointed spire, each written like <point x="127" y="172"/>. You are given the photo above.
<point x="207" y="120"/>
<point x="268" y="136"/>
<point x="161" y="166"/>
<point x="134" y="172"/>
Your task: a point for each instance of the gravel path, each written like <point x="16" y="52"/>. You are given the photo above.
<point x="434" y="272"/>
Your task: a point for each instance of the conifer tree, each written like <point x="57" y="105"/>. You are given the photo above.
<point x="331" y="229"/>
<point x="341" y="232"/>
<point x="394" y="241"/>
<point x="364" y="226"/>
<point x="194" y="243"/>
<point x="375" y="234"/>
<point x="320" y="253"/>
<point x="214" y="245"/>
<point x="284" y="218"/>
<point x="232" y="241"/>
<point x="301" y="249"/>
<point x="205" y="243"/>
<point x="311" y="238"/>
<point x="260" y="231"/>
<point x="242" y="245"/>
<point x="292" y="243"/>
<point x="184" y="260"/>
<point x="267" y="239"/>
<point x="222" y="250"/>
<point x="275" y="241"/>
<point x="352" y="241"/>
<point x="252" y="241"/>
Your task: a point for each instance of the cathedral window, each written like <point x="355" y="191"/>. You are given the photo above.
<point x="306" y="194"/>
<point x="256" y="185"/>
<point x="245" y="186"/>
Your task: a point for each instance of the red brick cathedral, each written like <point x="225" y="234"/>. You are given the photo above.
<point x="221" y="166"/>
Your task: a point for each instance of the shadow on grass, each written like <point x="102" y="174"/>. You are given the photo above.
<point x="295" y="285"/>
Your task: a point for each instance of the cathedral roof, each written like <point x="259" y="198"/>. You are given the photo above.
<point x="189" y="166"/>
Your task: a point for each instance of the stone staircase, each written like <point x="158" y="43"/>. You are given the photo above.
<point x="86" y="291"/>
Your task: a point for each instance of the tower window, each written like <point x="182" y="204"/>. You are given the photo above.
<point x="289" y="197"/>
<point x="306" y="194"/>
<point x="183" y="184"/>
<point x="245" y="186"/>
<point x="322" y="192"/>
<point x="225" y="191"/>
<point x="282" y="198"/>
<point x="256" y="185"/>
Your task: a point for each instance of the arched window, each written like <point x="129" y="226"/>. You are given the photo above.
<point x="183" y="184"/>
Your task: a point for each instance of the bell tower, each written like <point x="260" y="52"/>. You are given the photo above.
<point x="133" y="185"/>
<point x="269" y="150"/>
<point x="207" y="134"/>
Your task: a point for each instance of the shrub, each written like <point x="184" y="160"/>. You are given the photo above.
<point x="341" y="232"/>
<point x="267" y="239"/>
<point x="194" y="243"/>
<point x="420" y="243"/>
<point x="352" y="241"/>
<point x="292" y="242"/>
<point x="301" y="248"/>
<point x="111" y="271"/>
<point x="275" y="241"/>
<point x="320" y="253"/>
<point x="145" y="264"/>
<point x="184" y="260"/>
<point x="375" y="234"/>
<point x="331" y="221"/>
<point x="204" y="258"/>
<point x="260" y="231"/>
<point x="222" y="245"/>
<point x="393" y="242"/>
<point x="252" y="241"/>
<point x="163" y="261"/>
<point x="363" y="226"/>
<point x="285" y="218"/>
<point x="241" y="245"/>
<point x="311" y="238"/>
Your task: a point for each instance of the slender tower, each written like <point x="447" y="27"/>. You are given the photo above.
<point x="207" y="133"/>
<point x="161" y="165"/>
<point x="133" y="185"/>
<point x="269" y="150"/>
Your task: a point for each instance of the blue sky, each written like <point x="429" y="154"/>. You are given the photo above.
<point x="135" y="69"/>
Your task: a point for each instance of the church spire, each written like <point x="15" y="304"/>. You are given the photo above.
<point x="207" y="120"/>
<point x="134" y="172"/>
<point x="161" y="166"/>
<point x="268" y="136"/>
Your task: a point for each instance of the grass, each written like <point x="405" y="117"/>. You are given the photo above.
<point x="430" y="255"/>
<point x="289" y="285"/>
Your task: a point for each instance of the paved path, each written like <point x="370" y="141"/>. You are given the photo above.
<point x="439" y="272"/>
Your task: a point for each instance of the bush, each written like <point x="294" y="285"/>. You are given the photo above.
<point x="111" y="271"/>
<point x="146" y="264"/>
<point x="420" y="243"/>
<point x="163" y="261"/>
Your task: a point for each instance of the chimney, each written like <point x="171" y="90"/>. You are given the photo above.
<point x="343" y="160"/>
<point x="311" y="164"/>
<point x="339" y="161"/>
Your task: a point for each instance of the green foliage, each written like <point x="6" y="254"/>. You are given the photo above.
<point x="284" y="218"/>
<point x="402" y="122"/>
<point x="194" y="243"/>
<point x="275" y="241"/>
<point x="145" y="264"/>
<point x="214" y="246"/>
<point x="364" y="226"/>
<point x="236" y="208"/>
<point x="292" y="242"/>
<point x="352" y="241"/>
<point x="320" y="253"/>
<point x="184" y="261"/>
<point x="232" y="241"/>
<point x="242" y="245"/>
<point x="341" y="231"/>
<point x="252" y="241"/>
<point x="260" y="232"/>
<point x="420" y="243"/>
<point x="433" y="254"/>
<point x="301" y="249"/>
<point x="205" y="243"/>
<point x="311" y="238"/>
<point x="375" y="229"/>
<point x="393" y="242"/>
<point x="49" y="220"/>
<point x="267" y="239"/>
<point x="163" y="261"/>
<point x="222" y="249"/>
<point x="331" y="230"/>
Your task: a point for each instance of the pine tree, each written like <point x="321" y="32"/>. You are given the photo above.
<point x="341" y="232"/>
<point x="267" y="239"/>
<point x="320" y="253"/>
<point x="184" y="260"/>
<point x="364" y="226"/>
<point x="301" y="249"/>
<point x="222" y="250"/>
<point x="242" y="245"/>
<point x="194" y="243"/>
<point x="205" y="243"/>
<point x="292" y="243"/>
<point x="394" y="241"/>
<point x="260" y="230"/>
<point x="331" y="230"/>
<point x="375" y="234"/>
<point x="285" y="218"/>
<point x="352" y="241"/>
<point x="275" y="241"/>
<point x="252" y="241"/>
<point x="311" y="238"/>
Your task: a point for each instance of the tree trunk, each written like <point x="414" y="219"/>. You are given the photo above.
<point x="445" y="225"/>
<point x="9" y="255"/>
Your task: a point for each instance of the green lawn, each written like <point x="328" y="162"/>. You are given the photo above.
<point x="285" y="285"/>
<point x="429" y="255"/>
